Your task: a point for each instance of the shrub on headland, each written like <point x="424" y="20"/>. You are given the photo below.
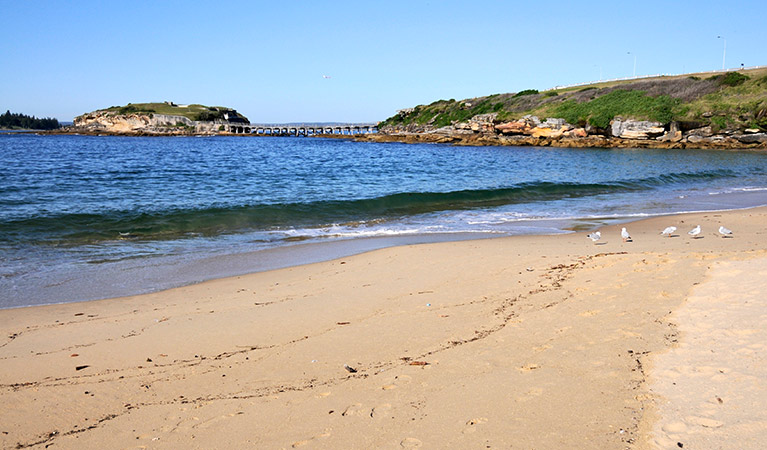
<point x="526" y="92"/>
<point x="732" y="79"/>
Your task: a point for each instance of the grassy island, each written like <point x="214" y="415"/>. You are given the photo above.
<point x="200" y="113"/>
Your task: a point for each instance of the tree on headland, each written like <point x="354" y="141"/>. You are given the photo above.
<point x="22" y="121"/>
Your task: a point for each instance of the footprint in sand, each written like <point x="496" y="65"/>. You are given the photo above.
<point x="381" y="411"/>
<point x="306" y="442"/>
<point x="589" y="313"/>
<point x="471" y="425"/>
<point x="529" y="367"/>
<point x="212" y="421"/>
<point x="399" y="380"/>
<point x="675" y="428"/>
<point x="354" y="410"/>
<point x="411" y="443"/>
<point x="186" y="424"/>
<point x="703" y="422"/>
<point x="529" y="395"/>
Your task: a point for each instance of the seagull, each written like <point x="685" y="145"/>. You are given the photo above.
<point x="725" y="232"/>
<point x="327" y="77"/>
<point x="694" y="232"/>
<point x="625" y="235"/>
<point x="668" y="231"/>
<point x="594" y="236"/>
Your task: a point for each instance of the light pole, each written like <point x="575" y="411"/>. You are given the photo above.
<point x="724" y="51"/>
<point x="634" y="74"/>
<point x="600" y="72"/>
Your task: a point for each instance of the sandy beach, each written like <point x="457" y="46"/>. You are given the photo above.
<point x="534" y="342"/>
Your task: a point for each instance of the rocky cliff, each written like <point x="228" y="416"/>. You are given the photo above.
<point x="556" y="132"/>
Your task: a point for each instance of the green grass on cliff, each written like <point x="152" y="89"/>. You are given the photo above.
<point x="734" y="100"/>
<point x="601" y="110"/>
<point x="192" y="112"/>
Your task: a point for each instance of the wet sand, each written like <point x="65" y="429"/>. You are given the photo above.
<point x="520" y="342"/>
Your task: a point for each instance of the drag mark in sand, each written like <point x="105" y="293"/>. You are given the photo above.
<point x="54" y="434"/>
<point x="157" y="373"/>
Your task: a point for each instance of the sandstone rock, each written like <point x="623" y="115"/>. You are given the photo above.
<point x="751" y="130"/>
<point x="576" y="133"/>
<point x="542" y="131"/>
<point x="674" y="134"/>
<point x="671" y="136"/>
<point x="703" y="132"/>
<point x="756" y="138"/>
<point x="555" y="123"/>
<point x="694" y="139"/>
<point x="519" y="127"/>
<point x="532" y="120"/>
<point x="483" y="123"/>
<point x="635" y="129"/>
<point x="485" y="118"/>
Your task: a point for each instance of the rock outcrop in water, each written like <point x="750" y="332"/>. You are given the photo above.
<point x="156" y="119"/>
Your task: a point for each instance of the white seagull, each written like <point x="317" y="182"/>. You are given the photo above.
<point x="668" y="231"/>
<point x="595" y="236"/>
<point x="725" y="232"/>
<point x="694" y="232"/>
<point x="625" y="235"/>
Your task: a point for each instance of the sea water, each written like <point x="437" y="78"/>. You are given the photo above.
<point x="86" y="217"/>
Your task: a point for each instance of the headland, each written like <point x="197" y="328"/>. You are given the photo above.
<point x="711" y="110"/>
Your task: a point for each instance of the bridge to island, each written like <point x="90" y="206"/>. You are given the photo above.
<point x="302" y="129"/>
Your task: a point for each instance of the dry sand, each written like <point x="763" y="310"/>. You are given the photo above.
<point x="527" y="342"/>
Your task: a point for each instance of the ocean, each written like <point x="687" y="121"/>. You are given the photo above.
<point x="89" y="217"/>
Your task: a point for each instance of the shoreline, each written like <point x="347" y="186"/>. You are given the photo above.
<point x="455" y="344"/>
<point x="494" y="140"/>
<point x="228" y="265"/>
<point x="470" y="140"/>
<point x="188" y="270"/>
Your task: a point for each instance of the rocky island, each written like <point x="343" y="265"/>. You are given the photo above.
<point x="148" y="119"/>
<point x="714" y="110"/>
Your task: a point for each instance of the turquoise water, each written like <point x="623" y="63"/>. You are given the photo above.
<point x="109" y="206"/>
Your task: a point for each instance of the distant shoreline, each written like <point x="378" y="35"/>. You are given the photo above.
<point x="473" y="140"/>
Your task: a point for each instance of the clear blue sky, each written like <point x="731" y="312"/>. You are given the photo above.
<point x="267" y="59"/>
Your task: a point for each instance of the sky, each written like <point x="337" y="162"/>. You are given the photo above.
<point x="269" y="60"/>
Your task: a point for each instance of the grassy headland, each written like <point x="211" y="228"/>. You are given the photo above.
<point x="733" y="101"/>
